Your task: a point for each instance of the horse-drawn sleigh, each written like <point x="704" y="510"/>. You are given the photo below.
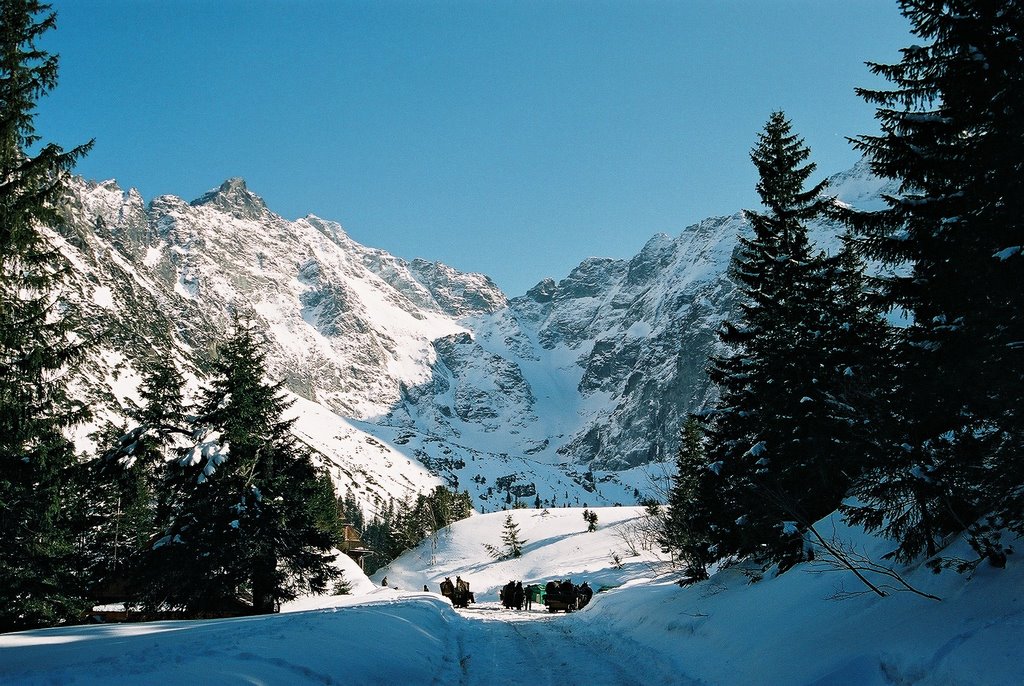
<point x="458" y="592"/>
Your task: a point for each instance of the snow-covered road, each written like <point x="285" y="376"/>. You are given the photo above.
<point x="408" y="641"/>
<point x="638" y="629"/>
<point x="540" y="649"/>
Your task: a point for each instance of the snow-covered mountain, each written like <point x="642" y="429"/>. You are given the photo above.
<point x="571" y="393"/>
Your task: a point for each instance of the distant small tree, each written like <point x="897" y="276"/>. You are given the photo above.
<point x="590" y="517"/>
<point x="510" y="537"/>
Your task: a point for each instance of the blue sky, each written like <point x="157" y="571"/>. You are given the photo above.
<point x="513" y="138"/>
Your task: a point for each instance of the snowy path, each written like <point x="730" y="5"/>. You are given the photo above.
<point x="540" y="649"/>
<point x="411" y="640"/>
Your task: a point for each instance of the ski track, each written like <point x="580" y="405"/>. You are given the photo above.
<point x="536" y="648"/>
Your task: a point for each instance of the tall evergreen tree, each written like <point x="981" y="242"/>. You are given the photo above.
<point x="687" y="527"/>
<point x="349" y="510"/>
<point x="246" y="513"/>
<point x="953" y="135"/>
<point x="771" y="440"/>
<point x="127" y="493"/>
<point x="846" y="343"/>
<point x="38" y="470"/>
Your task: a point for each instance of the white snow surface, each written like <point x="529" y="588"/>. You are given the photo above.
<point x="645" y="629"/>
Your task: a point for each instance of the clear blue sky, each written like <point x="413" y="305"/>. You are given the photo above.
<point x="513" y="138"/>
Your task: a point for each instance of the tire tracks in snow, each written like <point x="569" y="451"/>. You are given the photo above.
<point x="549" y="650"/>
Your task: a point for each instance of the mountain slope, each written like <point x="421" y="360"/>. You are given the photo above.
<point x="571" y="393"/>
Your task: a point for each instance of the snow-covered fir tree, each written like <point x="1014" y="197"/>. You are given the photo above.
<point x="128" y="495"/>
<point x="246" y="511"/>
<point x="510" y="538"/>
<point x="590" y="517"/>
<point x="40" y="494"/>
<point x="952" y="136"/>
<point x="772" y="441"/>
<point x="687" y="527"/>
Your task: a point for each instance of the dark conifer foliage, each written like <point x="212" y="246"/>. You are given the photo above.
<point x="772" y="439"/>
<point x="953" y="136"/>
<point x="245" y="512"/>
<point x="404" y="525"/>
<point x="128" y="499"/>
<point x="39" y="478"/>
<point x="847" y="344"/>
<point x="687" y="531"/>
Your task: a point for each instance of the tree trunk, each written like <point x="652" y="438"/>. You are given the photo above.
<point x="264" y="600"/>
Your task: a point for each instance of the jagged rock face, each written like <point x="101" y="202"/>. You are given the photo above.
<point x="340" y="333"/>
<point x="641" y="332"/>
<point x="487" y="389"/>
<point x="458" y="294"/>
<point x="595" y="371"/>
<point x="235" y="199"/>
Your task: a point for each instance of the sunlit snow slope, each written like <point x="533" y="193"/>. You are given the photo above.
<point x="812" y="626"/>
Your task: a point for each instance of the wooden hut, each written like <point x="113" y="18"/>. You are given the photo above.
<point x="354" y="547"/>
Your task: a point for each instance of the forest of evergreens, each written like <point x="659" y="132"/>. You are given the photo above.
<point x="911" y="428"/>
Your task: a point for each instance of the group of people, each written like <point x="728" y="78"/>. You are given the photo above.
<point x="556" y="595"/>
<point x="515" y="596"/>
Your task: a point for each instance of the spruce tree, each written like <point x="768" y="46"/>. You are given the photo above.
<point x="590" y="517"/>
<point x="510" y="538"/>
<point x="687" y="527"/>
<point x="39" y="499"/>
<point x="128" y="495"/>
<point x="246" y="513"/>
<point x="951" y="134"/>
<point x="771" y="440"/>
<point x="847" y="339"/>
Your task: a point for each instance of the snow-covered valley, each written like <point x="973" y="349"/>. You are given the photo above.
<point x="812" y="625"/>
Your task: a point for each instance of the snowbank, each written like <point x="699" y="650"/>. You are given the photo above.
<point x="727" y="631"/>
<point x="357" y="641"/>
<point x="814" y="625"/>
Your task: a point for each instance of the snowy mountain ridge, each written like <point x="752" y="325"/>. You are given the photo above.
<point x="572" y="392"/>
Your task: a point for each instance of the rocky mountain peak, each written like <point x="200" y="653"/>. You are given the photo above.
<point x="234" y="198"/>
<point x="458" y="293"/>
<point x="656" y="255"/>
<point x="544" y="291"/>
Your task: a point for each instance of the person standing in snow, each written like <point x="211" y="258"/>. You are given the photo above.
<point x="586" y="593"/>
<point x="517" y="595"/>
<point x="568" y="592"/>
<point x="384" y="581"/>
